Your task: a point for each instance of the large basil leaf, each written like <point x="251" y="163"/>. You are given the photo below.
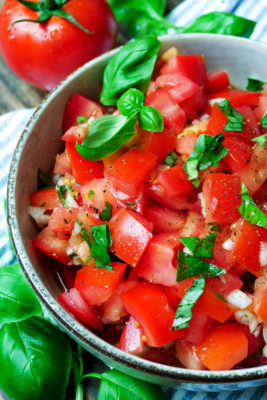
<point x="200" y="247"/>
<point x="131" y="67"/>
<point x="116" y="385"/>
<point x="17" y="299"/>
<point x="222" y="23"/>
<point x="35" y="360"/>
<point x="106" y="135"/>
<point x="249" y="210"/>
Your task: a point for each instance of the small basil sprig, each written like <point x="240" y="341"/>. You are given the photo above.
<point x="184" y="311"/>
<point x="130" y="67"/>
<point x="170" y="159"/>
<point x="207" y="151"/>
<point x="200" y="247"/>
<point x="263" y="121"/>
<point x="132" y="102"/>
<point x="61" y="191"/>
<point x="235" y="121"/>
<point x="249" y="211"/>
<point x="39" y="355"/>
<point x="255" y="85"/>
<point x="262" y="140"/>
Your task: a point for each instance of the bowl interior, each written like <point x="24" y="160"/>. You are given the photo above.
<point x="39" y="144"/>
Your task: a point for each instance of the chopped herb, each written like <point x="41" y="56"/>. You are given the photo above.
<point x="158" y="87"/>
<point x="44" y="180"/>
<point x="61" y="191"/>
<point x="106" y="213"/>
<point x="84" y="233"/>
<point x="249" y="210"/>
<point x="263" y="121"/>
<point x="221" y="297"/>
<point x="184" y="311"/>
<point x="95" y="209"/>
<point x="170" y="159"/>
<point x="215" y="227"/>
<point x="255" y="85"/>
<point x="200" y="247"/>
<point x="90" y="194"/>
<point x="207" y="151"/>
<point x="131" y="204"/>
<point x="261" y="139"/>
<point x="81" y="120"/>
<point x="189" y="266"/>
<point x="88" y="259"/>
<point x="43" y="204"/>
<point x="235" y="119"/>
<point x="65" y="220"/>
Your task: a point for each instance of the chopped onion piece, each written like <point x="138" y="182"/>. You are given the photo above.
<point x="202" y="202"/>
<point x="38" y="214"/>
<point x="263" y="254"/>
<point x="228" y="244"/>
<point x="214" y="101"/>
<point x="246" y="317"/>
<point x="239" y="299"/>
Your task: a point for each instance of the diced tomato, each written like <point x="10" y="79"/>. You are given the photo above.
<point x="180" y="87"/>
<point x="224" y="284"/>
<point x="96" y="285"/>
<point x="136" y="204"/>
<point x="261" y="108"/>
<point x="175" y="181"/>
<point x="131" y="338"/>
<point x="158" y="143"/>
<point x="221" y="193"/>
<point x="63" y="219"/>
<point x="191" y="66"/>
<point x="67" y="276"/>
<point x="238" y="97"/>
<point x="131" y="234"/>
<point x="83" y="170"/>
<point x="222" y="253"/>
<point x="165" y="220"/>
<point x="217" y="80"/>
<point x="48" y="243"/>
<point x="73" y="302"/>
<point x="260" y="302"/>
<point x="47" y="198"/>
<point x="255" y="345"/>
<point x="157" y="265"/>
<point x="195" y="106"/>
<point x="173" y="115"/>
<point x="239" y="153"/>
<point x="149" y="306"/>
<point x="96" y="193"/>
<point x="200" y="326"/>
<point x="79" y="106"/>
<point x="131" y="170"/>
<point x="225" y="347"/>
<point x="186" y="353"/>
<point x="62" y="164"/>
<point x="194" y="224"/>
<point x="248" y="240"/>
<point x="75" y="134"/>
<point x="172" y="296"/>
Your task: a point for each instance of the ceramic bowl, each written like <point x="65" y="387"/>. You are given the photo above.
<point x="37" y="147"/>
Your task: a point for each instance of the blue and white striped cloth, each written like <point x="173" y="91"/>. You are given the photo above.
<point x="12" y="124"/>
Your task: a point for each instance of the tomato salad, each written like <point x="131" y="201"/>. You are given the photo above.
<point x="157" y="217"/>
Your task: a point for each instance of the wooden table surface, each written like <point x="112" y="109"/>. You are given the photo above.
<point x="16" y="94"/>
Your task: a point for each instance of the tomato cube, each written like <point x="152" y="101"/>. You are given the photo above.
<point x="239" y="153"/>
<point x="238" y="97"/>
<point x="47" y="198"/>
<point x="131" y="338"/>
<point x="217" y="80"/>
<point x="165" y="220"/>
<point x="63" y="219"/>
<point x="158" y="143"/>
<point x="175" y="181"/>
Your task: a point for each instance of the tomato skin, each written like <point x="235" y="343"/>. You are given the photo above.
<point x="131" y="337"/>
<point x="158" y="143"/>
<point x="47" y="198"/>
<point x="35" y="51"/>
<point x="165" y="220"/>
<point x="148" y="305"/>
<point x="186" y="353"/>
<point x="63" y="219"/>
<point x="260" y="302"/>
<point x="238" y="97"/>
<point x="175" y="181"/>
<point x="217" y="80"/>
<point x="239" y="153"/>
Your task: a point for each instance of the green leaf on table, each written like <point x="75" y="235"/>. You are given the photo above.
<point x="189" y="266"/>
<point x="35" y="360"/>
<point x="255" y="85"/>
<point x="131" y="102"/>
<point x="222" y="23"/>
<point x="44" y="180"/>
<point x="106" y="135"/>
<point x="262" y="140"/>
<point x="117" y="385"/>
<point x="106" y="213"/>
<point x="249" y="210"/>
<point x="184" y="311"/>
<point x="131" y="67"/>
<point x="200" y="247"/>
<point x="171" y="159"/>
<point x="150" y="119"/>
<point x="235" y="121"/>
<point x="263" y="121"/>
<point x="207" y="151"/>
<point x="17" y="299"/>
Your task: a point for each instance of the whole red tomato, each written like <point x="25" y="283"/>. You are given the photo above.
<point x="45" y="53"/>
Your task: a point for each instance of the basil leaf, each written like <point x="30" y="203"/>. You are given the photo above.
<point x="117" y="385"/>
<point x="150" y="119"/>
<point x="221" y="297"/>
<point x="17" y="299"/>
<point x="106" y="213"/>
<point x="200" y="247"/>
<point x="35" y="360"/>
<point x="81" y="120"/>
<point x="61" y="191"/>
<point x="131" y="102"/>
<point x="44" y="180"/>
<point x="131" y="67"/>
<point x="170" y="159"/>
<point x="263" y="121"/>
<point x="189" y="266"/>
<point x="184" y="311"/>
<point x="235" y="119"/>
<point x="105" y="136"/>
<point x="207" y="151"/>
<point x="255" y="85"/>
<point x="222" y="23"/>
<point x="101" y="242"/>
<point x="261" y="139"/>
<point x="215" y="227"/>
<point x="249" y="211"/>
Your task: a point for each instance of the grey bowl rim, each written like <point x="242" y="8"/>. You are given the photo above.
<point x="88" y="338"/>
